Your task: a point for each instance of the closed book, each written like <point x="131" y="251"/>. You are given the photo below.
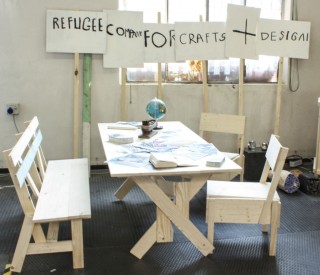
<point x="169" y="160"/>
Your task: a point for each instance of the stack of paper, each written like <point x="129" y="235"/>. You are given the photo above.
<point x="121" y="138"/>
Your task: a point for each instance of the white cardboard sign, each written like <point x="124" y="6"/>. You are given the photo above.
<point x="283" y="38"/>
<point x="159" y="42"/>
<point x="124" y="34"/>
<point x="200" y="40"/>
<point x="241" y="31"/>
<point x="76" y="31"/>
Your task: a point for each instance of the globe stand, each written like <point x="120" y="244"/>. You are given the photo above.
<point x="147" y="128"/>
<point x="157" y="127"/>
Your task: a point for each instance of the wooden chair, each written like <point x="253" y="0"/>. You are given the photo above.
<point x="49" y="193"/>
<point x="228" y="124"/>
<point x="249" y="202"/>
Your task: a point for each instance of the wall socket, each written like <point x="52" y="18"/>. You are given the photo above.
<point x="13" y="108"/>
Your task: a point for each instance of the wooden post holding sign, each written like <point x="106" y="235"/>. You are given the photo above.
<point x="205" y="96"/>
<point x="160" y="88"/>
<point x="279" y="96"/>
<point x="123" y="94"/>
<point x="241" y="86"/>
<point x="317" y="158"/>
<point x="76" y="107"/>
<point x="86" y="109"/>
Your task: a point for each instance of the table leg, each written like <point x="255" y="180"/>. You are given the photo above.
<point x="124" y="189"/>
<point x="145" y="243"/>
<point x="174" y="214"/>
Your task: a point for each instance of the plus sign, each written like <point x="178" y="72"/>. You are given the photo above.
<point x="245" y="32"/>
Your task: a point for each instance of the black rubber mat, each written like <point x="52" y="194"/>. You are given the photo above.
<point x="116" y="226"/>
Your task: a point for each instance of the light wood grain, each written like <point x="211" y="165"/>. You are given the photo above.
<point x="249" y="202"/>
<point x="48" y="193"/>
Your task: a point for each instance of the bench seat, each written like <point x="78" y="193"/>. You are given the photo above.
<point x="65" y="192"/>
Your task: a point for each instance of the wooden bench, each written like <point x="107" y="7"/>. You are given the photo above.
<point x="49" y="194"/>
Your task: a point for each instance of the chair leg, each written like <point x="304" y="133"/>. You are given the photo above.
<point x="210" y="220"/>
<point x="275" y="223"/>
<point x="77" y="243"/>
<point x="210" y="235"/>
<point x="265" y="228"/>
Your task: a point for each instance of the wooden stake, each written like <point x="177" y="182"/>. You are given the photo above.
<point x="123" y="94"/>
<point x="278" y="100"/>
<point x="86" y="110"/>
<point x="241" y="86"/>
<point x="205" y="96"/>
<point x="159" y="76"/>
<point x="317" y="159"/>
<point x="76" y="106"/>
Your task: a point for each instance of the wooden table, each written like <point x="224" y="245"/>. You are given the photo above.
<point x="152" y="182"/>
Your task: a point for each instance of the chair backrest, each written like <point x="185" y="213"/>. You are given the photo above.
<point x="25" y="163"/>
<point x="224" y="123"/>
<point x="275" y="158"/>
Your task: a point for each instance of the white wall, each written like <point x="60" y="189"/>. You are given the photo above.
<point x="43" y="85"/>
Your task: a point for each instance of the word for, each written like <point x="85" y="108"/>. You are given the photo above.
<point x="158" y="39"/>
<point x="285" y="35"/>
<point x="78" y="23"/>
<point x="191" y="38"/>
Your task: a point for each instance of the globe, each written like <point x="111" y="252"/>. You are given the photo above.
<point x="156" y="109"/>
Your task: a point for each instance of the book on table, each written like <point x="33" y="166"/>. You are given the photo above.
<point x="169" y="160"/>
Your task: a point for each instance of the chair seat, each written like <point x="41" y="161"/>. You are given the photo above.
<point x="230" y="155"/>
<point x="230" y="189"/>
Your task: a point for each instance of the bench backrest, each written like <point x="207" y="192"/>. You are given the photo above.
<point x="27" y="165"/>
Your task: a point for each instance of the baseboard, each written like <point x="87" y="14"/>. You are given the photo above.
<point x="4" y="171"/>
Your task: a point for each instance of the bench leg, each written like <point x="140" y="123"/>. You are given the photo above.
<point x="22" y="245"/>
<point x="53" y="231"/>
<point x="77" y="243"/>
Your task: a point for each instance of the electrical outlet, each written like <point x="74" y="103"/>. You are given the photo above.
<point x="13" y="108"/>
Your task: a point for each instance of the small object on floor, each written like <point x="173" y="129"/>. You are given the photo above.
<point x="309" y="183"/>
<point x="288" y="182"/>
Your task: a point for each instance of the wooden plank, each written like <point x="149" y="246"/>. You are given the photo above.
<point x="53" y="231"/>
<point x="77" y="243"/>
<point x="44" y="248"/>
<point x="123" y="94"/>
<point x="76" y="106"/>
<point x="86" y="109"/>
<point x="164" y="228"/>
<point x="125" y="187"/>
<point x="23" y="244"/>
<point x="278" y="98"/>
<point x="23" y="142"/>
<point x="241" y="87"/>
<point x="146" y="242"/>
<point x="317" y="158"/>
<point x="59" y="200"/>
<point x="29" y="159"/>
